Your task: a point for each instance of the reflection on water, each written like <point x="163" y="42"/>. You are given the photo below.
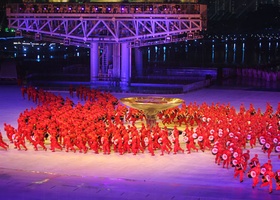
<point x="196" y="53"/>
<point x="207" y="53"/>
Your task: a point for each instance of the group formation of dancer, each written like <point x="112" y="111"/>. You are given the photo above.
<point x="101" y="124"/>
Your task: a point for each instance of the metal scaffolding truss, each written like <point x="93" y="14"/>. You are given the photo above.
<point x="86" y="28"/>
<point x="105" y="27"/>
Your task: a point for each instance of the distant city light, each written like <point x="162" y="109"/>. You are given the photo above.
<point x="38" y="58"/>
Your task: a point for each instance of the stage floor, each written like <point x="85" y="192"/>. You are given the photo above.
<point x="60" y="175"/>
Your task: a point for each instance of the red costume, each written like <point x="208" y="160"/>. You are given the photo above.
<point x="175" y="138"/>
<point x="68" y="144"/>
<point x="10" y="131"/>
<point x="267" y="179"/>
<point x="254" y="173"/>
<point x="239" y="169"/>
<point x="3" y="144"/>
<point x="38" y="139"/>
<point x="226" y="156"/>
<point x="254" y="161"/>
<point x="189" y="139"/>
<point x="105" y="144"/>
<point x="54" y="144"/>
<point x="19" y="141"/>
<point x="150" y="144"/>
<point x="277" y="178"/>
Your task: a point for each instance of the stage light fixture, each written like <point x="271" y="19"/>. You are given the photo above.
<point x="168" y="38"/>
<point x="18" y="33"/>
<point x="137" y="43"/>
<point x="38" y="36"/>
<point x="190" y="35"/>
<point x="66" y="41"/>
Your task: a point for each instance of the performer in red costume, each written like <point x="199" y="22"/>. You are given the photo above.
<point x="217" y="150"/>
<point x="254" y="161"/>
<point x="68" y="143"/>
<point x="266" y="167"/>
<point x="10" y="131"/>
<point x="120" y="145"/>
<point x="277" y="178"/>
<point x="246" y="156"/>
<point x="175" y="136"/>
<point x="150" y="143"/>
<point x="189" y="139"/>
<point x="38" y="139"/>
<point x="93" y="142"/>
<point x="71" y="91"/>
<point x="126" y="141"/>
<point x="267" y="179"/>
<point x="23" y="91"/>
<point x="134" y="146"/>
<point x="54" y="144"/>
<point x="254" y="173"/>
<point x="19" y="141"/>
<point x="226" y="156"/>
<point x="105" y="144"/>
<point x="165" y="142"/>
<point x="3" y="144"/>
<point x="239" y="169"/>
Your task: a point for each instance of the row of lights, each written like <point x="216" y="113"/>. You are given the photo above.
<point x="272" y="36"/>
<point x="117" y="8"/>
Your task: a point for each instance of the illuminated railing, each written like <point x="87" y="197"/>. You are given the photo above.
<point x="107" y="8"/>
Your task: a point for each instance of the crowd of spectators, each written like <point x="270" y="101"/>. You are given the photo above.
<point x="256" y="73"/>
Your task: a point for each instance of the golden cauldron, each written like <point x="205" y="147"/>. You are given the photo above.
<point x="151" y="106"/>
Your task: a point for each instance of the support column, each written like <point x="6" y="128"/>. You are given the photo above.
<point x="125" y="64"/>
<point x="110" y="53"/>
<point x="139" y="62"/>
<point x="94" y="62"/>
<point x="116" y="60"/>
<point x="110" y="60"/>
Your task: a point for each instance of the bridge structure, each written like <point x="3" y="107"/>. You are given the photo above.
<point x="113" y="31"/>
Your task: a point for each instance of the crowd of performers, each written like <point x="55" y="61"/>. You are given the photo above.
<point x="103" y="125"/>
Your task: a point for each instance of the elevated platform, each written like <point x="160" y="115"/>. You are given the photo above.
<point x="141" y="24"/>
